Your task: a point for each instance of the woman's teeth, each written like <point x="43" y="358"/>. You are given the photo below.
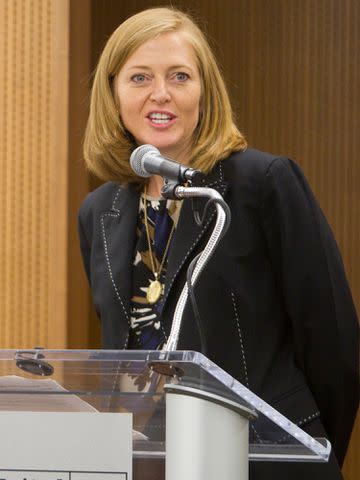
<point x="159" y="118"/>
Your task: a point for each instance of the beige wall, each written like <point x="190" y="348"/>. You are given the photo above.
<point x="33" y="184"/>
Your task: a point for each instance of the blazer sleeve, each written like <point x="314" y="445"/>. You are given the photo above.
<point x="312" y="282"/>
<point x="85" y="242"/>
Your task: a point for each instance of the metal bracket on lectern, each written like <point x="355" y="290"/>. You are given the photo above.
<point x="166" y="368"/>
<point x="31" y="361"/>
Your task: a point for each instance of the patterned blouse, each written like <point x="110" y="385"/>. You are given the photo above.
<point x="146" y="329"/>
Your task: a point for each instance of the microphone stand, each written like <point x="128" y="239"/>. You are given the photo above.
<point x="173" y="190"/>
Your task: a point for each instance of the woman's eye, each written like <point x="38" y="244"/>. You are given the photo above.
<point x="181" y="76"/>
<point x="138" y="78"/>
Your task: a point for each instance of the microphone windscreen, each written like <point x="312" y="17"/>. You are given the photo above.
<point x="137" y="159"/>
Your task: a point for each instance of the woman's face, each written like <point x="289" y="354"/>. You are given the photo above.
<point x="158" y="90"/>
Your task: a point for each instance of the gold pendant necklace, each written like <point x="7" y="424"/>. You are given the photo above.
<point x="156" y="288"/>
<point x="154" y="291"/>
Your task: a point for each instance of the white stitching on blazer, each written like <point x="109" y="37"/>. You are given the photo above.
<point x="307" y="419"/>
<point x="241" y="339"/>
<point x="163" y="331"/>
<point x="114" y="201"/>
<point x="108" y="264"/>
<point x="221" y="172"/>
<point x="243" y="357"/>
<point x="301" y="422"/>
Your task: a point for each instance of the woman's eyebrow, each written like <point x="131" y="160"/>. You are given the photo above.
<point x="147" y="67"/>
<point x="140" y="67"/>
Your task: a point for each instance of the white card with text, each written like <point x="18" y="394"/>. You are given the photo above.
<point x="65" y="446"/>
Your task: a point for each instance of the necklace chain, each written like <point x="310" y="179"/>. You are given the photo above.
<point x="155" y="289"/>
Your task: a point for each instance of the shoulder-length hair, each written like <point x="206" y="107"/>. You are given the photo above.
<point x="107" y="144"/>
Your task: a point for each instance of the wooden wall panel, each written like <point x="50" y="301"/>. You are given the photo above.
<point x="32" y="188"/>
<point x="80" y="330"/>
<point x="292" y="68"/>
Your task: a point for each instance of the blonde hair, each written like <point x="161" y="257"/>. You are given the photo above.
<point x="107" y="144"/>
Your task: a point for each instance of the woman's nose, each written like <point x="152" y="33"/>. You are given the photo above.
<point x="160" y="92"/>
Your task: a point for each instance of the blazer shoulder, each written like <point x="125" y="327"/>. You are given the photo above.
<point x="250" y="170"/>
<point x="251" y="162"/>
<point x="100" y="199"/>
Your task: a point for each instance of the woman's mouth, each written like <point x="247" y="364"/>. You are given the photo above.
<point x="157" y="118"/>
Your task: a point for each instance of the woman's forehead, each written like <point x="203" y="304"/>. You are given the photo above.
<point x="167" y="48"/>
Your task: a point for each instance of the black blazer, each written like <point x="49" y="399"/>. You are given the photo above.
<point x="274" y="300"/>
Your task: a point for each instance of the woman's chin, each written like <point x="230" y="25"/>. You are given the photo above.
<point x="167" y="150"/>
<point x="169" y="147"/>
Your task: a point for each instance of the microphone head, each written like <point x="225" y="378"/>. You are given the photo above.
<point x="138" y="156"/>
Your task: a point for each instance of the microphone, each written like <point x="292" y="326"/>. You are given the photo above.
<point x="147" y="160"/>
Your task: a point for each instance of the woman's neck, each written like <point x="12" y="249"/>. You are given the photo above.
<point x="154" y="186"/>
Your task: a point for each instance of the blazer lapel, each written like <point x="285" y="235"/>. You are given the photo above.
<point x="188" y="233"/>
<point x="118" y="231"/>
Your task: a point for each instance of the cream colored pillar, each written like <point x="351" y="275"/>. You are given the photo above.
<point x="34" y="59"/>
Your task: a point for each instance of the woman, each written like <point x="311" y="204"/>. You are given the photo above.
<point x="275" y="304"/>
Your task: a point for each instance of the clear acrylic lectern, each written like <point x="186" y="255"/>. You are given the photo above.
<point x="186" y="410"/>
